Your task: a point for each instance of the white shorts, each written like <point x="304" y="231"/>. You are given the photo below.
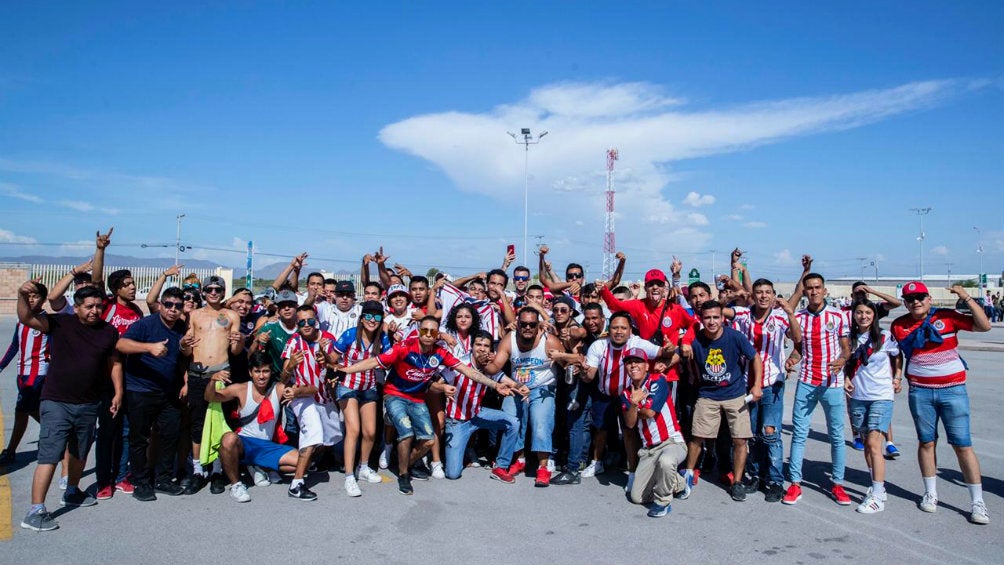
<point x="320" y="424"/>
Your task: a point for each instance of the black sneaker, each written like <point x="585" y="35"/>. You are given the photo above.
<point x="752" y="485"/>
<point x="775" y="492"/>
<point x="144" y="493"/>
<point x="418" y="473"/>
<point x="567" y="478"/>
<point x="193" y="483"/>
<point x="168" y="488"/>
<point x="78" y="498"/>
<point x="301" y="492"/>
<point x="738" y="492"/>
<point x="404" y="485"/>
<point x="7" y="457"/>
<point x="218" y="484"/>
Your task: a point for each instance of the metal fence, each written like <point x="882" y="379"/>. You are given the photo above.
<point x="143" y="276"/>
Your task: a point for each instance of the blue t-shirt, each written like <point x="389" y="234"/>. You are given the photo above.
<point x="146" y="373"/>
<point x="721" y="364"/>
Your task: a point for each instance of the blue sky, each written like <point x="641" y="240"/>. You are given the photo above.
<point x="334" y="128"/>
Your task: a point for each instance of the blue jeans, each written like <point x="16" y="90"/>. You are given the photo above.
<point x="806" y="398"/>
<point x="410" y="419"/>
<point x="950" y="405"/>
<point x="541" y="410"/>
<point x="458" y="433"/>
<point x="767" y="452"/>
<point x="577" y="425"/>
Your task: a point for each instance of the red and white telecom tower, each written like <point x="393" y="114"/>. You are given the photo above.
<point x="609" y="242"/>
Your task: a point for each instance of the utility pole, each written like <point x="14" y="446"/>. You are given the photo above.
<point x="921" y="212"/>
<point x="177" y="241"/>
<point x="526" y="139"/>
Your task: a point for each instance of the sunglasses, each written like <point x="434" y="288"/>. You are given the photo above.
<point x="173" y="305"/>
<point x="213" y="290"/>
<point x="520" y="278"/>
<point x="573" y="276"/>
<point x="561" y="310"/>
<point x="914" y="297"/>
<point x="428" y="332"/>
<point x="373" y="317"/>
<point x="528" y="324"/>
<point x="307" y="322"/>
<point x="189" y="298"/>
<point x="196" y="286"/>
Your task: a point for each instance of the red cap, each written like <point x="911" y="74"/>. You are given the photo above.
<point x="655" y="275"/>
<point x="636" y="352"/>
<point x="915" y="287"/>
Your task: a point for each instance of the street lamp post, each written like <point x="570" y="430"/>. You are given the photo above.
<point x="921" y="212"/>
<point x="979" y="249"/>
<point x="177" y="241"/>
<point x="526" y="139"/>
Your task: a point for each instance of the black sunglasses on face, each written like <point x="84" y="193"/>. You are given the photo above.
<point x="528" y="324"/>
<point x="173" y="305"/>
<point x="573" y="276"/>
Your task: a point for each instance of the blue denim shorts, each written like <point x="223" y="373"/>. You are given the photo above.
<point x="871" y="415"/>
<point x="363" y="396"/>
<point x="409" y="418"/>
<point x="950" y="405"/>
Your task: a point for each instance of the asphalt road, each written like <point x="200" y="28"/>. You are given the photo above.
<point x="476" y="520"/>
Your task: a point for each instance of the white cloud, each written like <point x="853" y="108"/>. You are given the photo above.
<point x="694" y="199"/>
<point x="649" y="129"/>
<point x="77" y="205"/>
<point x="15" y="191"/>
<point x="755" y="225"/>
<point x="7" y="236"/>
<point x="784" y="258"/>
<point x="734" y="217"/>
<point x="939" y="250"/>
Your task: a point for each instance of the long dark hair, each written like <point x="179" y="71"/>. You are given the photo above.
<point x="376" y="344"/>
<point x="860" y="352"/>
<point x="451" y="319"/>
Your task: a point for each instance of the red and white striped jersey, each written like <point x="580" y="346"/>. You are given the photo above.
<point x="935" y="365"/>
<point x="466" y="402"/>
<point x="352" y="353"/>
<point x="663" y="425"/>
<point x="821" y="334"/>
<point x="611" y="378"/>
<point x="491" y="317"/>
<point x="32" y="350"/>
<point x="310" y="371"/>
<point x="767" y="338"/>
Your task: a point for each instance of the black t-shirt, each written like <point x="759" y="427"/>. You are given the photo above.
<point x="79" y="359"/>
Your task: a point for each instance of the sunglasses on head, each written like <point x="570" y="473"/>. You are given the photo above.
<point x="187" y="286"/>
<point x="172" y="305"/>
<point x="914" y="297"/>
<point x="520" y="278"/>
<point x="373" y="317"/>
<point x="306" y="322"/>
<point x="428" y="332"/>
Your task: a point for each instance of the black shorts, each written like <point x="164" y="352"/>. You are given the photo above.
<point x="65" y="426"/>
<point x="197" y="404"/>
<point x="28" y="395"/>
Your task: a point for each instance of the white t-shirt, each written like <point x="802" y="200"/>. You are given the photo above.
<point x="406" y="325"/>
<point x="873" y="380"/>
<point x="334" y="321"/>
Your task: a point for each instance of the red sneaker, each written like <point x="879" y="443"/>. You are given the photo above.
<point x="543" y="477"/>
<point x="517" y="467"/>
<point x="124" y="486"/>
<point x="500" y="474"/>
<point x="105" y="492"/>
<point x="697" y="476"/>
<point x="793" y="494"/>
<point x="840" y="495"/>
<point x="726" y="478"/>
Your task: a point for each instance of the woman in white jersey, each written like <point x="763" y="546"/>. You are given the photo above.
<point x="873" y="379"/>
<point x="357" y="393"/>
<point x="462" y="322"/>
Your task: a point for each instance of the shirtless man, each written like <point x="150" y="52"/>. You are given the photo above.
<point x="212" y="336"/>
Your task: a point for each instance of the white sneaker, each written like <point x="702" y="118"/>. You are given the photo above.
<point x="259" y="476"/>
<point x="239" y="492"/>
<point x="368" y="475"/>
<point x="594" y="468"/>
<point x="980" y="513"/>
<point x="550" y="466"/>
<point x="63" y="481"/>
<point x="929" y="503"/>
<point x="437" y="470"/>
<point x="630" y="483"/>
<point x="384" y="459"/>
<point x="351" y="486"/>
<point x="872" y="504"/>
<point x="472" y="455"/>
